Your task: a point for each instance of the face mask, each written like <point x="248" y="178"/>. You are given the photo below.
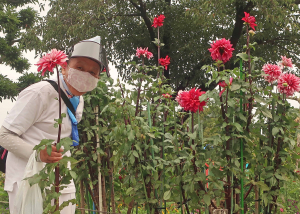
<point x="81" y="81"/>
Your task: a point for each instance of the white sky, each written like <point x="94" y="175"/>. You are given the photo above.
<point x="6" y="105"/>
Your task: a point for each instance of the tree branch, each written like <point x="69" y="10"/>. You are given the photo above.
<point x="238" y="27"/>
<point x="142" y="9"/>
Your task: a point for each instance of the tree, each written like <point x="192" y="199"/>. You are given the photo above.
<point x="189" y="27"/>
<point x="14" y="23"/>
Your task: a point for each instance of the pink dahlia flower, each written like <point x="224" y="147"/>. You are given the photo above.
<point x="158" y="21"/>
<point x="286" y="62"/>
<point x="249" y="20"/>
<point x="143" y="52"/>
<point x="164" y="62"/>
<point x="221" y="50"/>
<point x="178" y="97"/>
<point x="273" y="72"/>
<point x="288" y="84"/>
<point x="51" y="60"/>
<point x="189" y="100"/>
<point x="224" y="85"/>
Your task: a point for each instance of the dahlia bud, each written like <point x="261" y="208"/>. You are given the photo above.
<point x="251" y="32"/>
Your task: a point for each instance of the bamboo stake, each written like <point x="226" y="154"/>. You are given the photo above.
<point x="177" y="149"/>
<point x="98" y="161"/>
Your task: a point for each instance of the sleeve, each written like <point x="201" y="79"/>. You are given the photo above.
<point x="13" y="143"/>
<point x="25" y="112"/>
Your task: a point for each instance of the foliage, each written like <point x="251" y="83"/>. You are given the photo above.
<point x="14" y="22"/>
<point x="46" y="178"/>
<point x="161" y="155"/>
<point x="3" y="195"/>
<point x="189" y="27"/>
<point x="8" y="89"/>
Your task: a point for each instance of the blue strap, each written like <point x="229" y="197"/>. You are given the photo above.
<point x="75" y="136"/>
<point x="74" y="101"/>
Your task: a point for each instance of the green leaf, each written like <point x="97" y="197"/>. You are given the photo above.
<point x="73" y="174"/>
<point x="279" y="176"/>
<point x="59" y="121"/>
<point x="129" y="190"/>
<point x="58" y="146"/>
<point x="168" y="136"/>
<point x="43" y="143"/>
<point x="135" y="154"/>
<point x="266" y="112"/>
<point x="51" y="177"/>
<point x="242" y="117"/>
<point x="49" y="149"/>
<point x="131" y="135"/>
<point x="235" y="87"/>
<point x="34" y="179"/>
<point x="203" y="97"/>
<point x="263" y="186"/>
<point x="167" y="195"/>
<point x="238" y="127"/>
<point x="193" y="136"/>
<point x="151" y="135"/>
<point x="275" y="131"/>
<point x="259" y="99"/>
<point x="206" y="199"/>
<point x="243" y="56"/>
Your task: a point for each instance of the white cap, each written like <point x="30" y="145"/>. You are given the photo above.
<point x="90" y="48"/>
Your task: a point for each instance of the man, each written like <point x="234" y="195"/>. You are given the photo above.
<point x="32" y="117"/>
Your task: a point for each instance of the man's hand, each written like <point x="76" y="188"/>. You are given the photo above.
<point x="54" y="157"/>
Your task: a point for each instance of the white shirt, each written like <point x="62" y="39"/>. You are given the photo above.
<point x="32" y="118"/>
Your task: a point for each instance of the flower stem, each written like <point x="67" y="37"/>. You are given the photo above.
<point x="139" y="91"/>
<point x="58" y="140"/>
<point x="158" y="47"/>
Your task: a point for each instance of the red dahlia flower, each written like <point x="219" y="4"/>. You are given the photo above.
<point x="224" y="85"/>
<point x="143" y="52"/>
<point x="249" y="20"/>
<point x="51" y="60"/>
<point x="286" y="62"/>
<point x="189" y="100"/>
<point x="273" y="72"/>
<point x="221" y="50"/>
<point x="158" y="21"/>
<point x="288" y="84"/>
<point x="164" y="62"/>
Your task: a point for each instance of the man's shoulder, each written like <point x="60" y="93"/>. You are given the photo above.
<point x="39" y="87"/>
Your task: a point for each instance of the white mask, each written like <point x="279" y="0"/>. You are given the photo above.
<point x="81" y="81"/>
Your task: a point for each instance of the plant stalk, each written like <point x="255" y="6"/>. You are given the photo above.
<point x="57" y="181"/>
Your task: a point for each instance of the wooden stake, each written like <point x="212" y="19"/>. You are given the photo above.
<point x="99" y="162"/>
